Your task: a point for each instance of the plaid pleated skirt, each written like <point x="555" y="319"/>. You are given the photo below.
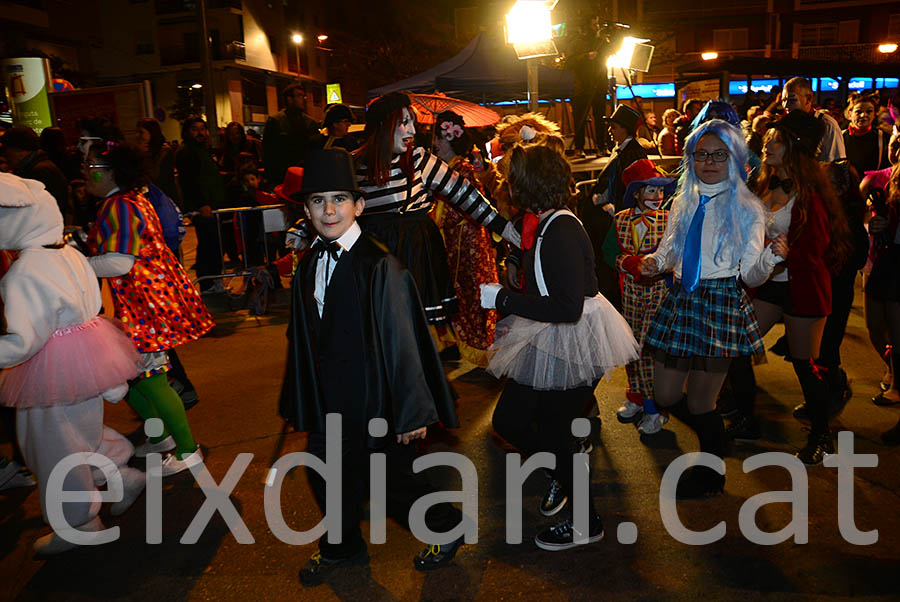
<point x="715" y="320"/>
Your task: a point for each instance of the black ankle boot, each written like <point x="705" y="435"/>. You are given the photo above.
<point x="699" y="482"/>
<point x="815" y="393"/>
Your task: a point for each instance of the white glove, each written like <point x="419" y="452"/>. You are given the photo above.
<point x="489" y="295"/>
<point x="512" y="235"/>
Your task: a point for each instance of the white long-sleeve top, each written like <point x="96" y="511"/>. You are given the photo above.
<point x="43" y="291"/>
<point x="754" y="263"/>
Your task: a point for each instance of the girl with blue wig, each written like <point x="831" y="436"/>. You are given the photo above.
<point x="715" y="236"/>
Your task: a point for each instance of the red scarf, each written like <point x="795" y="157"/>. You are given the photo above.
<point x="857" y="132"/>
<point x="530" y="223"/>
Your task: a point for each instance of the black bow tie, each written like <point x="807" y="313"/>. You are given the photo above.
<point x="333" y="249"/>
<point x="785" y="184"/>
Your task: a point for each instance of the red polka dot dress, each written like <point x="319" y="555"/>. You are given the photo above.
<point x="155" y="301"/>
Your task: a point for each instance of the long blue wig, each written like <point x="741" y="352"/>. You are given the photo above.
<point x="745" y="207"/>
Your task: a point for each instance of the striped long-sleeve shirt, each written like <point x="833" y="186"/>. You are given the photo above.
<point x="430" y="175"/>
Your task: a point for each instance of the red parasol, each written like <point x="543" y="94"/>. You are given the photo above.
<point x="427" y="107"/>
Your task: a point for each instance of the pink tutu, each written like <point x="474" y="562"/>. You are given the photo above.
<point x="77" y="363"/>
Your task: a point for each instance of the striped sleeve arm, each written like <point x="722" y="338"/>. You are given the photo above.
<point x="439" y="178"/>
<point x="119" y="228"/>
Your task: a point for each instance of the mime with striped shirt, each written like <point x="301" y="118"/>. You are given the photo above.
<point x="398" y="181"/>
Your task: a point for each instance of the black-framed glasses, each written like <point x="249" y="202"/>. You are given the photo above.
<point x="718" y="156"/>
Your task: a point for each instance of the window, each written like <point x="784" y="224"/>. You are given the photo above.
<point x="730" y="39"/>
<point x="894" y="27"/>
<point x="848" y="32"/>
<point x="822" y="34"/>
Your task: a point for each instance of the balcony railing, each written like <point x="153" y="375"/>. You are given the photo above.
<point x="178" y="54"/>
<point x="861" y="53"/>
<point x="167" y="7"/>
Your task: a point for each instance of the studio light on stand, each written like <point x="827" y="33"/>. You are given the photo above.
<point x="529" y="29"/>
<point x="634" y="55"/>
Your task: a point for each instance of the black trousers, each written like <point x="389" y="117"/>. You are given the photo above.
<point x="541" y="421"/>
<point x="209" y="256"/>
<point x="590" y="96"/>
<point x="403" y="488"/>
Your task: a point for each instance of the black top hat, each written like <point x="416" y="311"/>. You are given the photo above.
<point x="328" y="170"/>
<point x="335" y="113"/>
<point x="379" y="109"/>
<point x="627" y="117"/>
<point x="804" y="129"/>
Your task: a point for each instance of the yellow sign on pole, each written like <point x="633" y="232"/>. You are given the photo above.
<point x="333" y="93"/>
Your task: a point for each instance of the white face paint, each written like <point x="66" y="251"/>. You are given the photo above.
<point x="652" y="197"/>
<point x="403" y="135"/>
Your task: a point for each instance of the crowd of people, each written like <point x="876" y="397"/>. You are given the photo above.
<point x="408" y="247"/>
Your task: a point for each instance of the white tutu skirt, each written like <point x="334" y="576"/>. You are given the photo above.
<point x="558" y="356"/>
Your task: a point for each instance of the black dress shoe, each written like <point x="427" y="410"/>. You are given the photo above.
<point x="699" y="482"/>
<point x="437" y="557"/>
<point x="317" y="568"/>
<point x="817" y="447"/>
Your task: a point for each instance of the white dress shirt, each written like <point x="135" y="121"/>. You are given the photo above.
<point x="325" y="266"/>
<point x="754" y="265"/>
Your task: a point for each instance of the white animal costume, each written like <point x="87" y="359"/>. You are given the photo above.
<point x="60" y="360"/>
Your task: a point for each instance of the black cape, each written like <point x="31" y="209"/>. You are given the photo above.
<point x="400" y="379"/>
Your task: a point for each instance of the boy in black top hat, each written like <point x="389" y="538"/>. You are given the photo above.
<point x="596" y="210"/>
<point x="359" y="346"/>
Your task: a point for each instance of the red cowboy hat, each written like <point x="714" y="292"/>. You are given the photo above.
<point x="644" y="172"/>
<point x="293" y="181"/>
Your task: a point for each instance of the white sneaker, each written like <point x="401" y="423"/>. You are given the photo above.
<point x="13" y="475"/>
<point x="167" y="444"/>
<point x="652" y="423"/>
<point x="172" y="465"/>
<point x="630" y="412"/>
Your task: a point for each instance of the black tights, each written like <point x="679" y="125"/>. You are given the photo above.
<point x="541" y="421"/>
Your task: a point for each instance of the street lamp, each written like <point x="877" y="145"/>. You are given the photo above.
<point x="529" y="30"/>
<point x="297" y="39"/>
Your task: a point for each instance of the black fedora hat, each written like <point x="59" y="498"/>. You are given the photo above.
<point x="627" y="117"/>
<point x="327" y="170"/>
<point x="804" y="129"/>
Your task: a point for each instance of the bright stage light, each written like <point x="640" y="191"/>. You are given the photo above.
<point x="887" y="48"/>
<point x="622" y="58"/>
<point x="709" y="56"/>
<point x="528" y="21"/>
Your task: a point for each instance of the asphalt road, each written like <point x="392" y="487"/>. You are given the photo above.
<point x="238" y="370"/>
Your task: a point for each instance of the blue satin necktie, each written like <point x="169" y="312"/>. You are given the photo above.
<point x="690" y="262"/>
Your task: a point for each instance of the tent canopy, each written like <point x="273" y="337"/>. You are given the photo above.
<point x="487" y="70"/>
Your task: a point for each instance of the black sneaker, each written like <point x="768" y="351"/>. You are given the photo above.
<point x="563" y="536"/>
<point x="189" y="398"/>
<point x="436" y="557"/>
<point x="745" y="430"/>
<point x="554" y="500"/>
<point x="817" y="447"/>
<point x="892" y="435"/>
<point x="699" y="482"/>
<point x="317" y="568"/>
